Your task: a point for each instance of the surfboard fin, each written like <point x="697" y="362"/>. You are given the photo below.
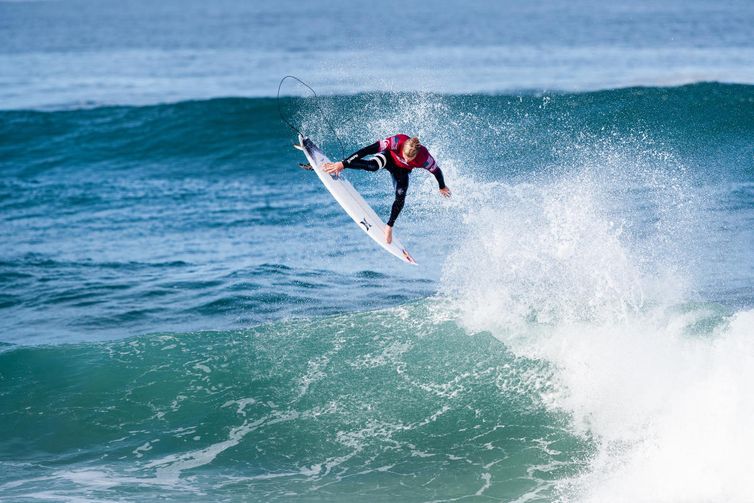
<point x="298" y="146"/>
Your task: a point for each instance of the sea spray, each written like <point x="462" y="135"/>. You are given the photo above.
<point x="562" y="272"/>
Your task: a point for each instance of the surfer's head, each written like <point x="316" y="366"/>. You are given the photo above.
<point x="411" y="148"/>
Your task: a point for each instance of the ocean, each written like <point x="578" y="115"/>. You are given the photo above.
<point x="187" y="316"/>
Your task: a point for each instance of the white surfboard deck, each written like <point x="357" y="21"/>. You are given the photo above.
<point x="351" y="201"/>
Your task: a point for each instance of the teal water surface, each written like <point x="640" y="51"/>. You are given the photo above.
<point x="188" y="316"/>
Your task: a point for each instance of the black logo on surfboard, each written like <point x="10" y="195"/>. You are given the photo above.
<point x="366" y="224"/>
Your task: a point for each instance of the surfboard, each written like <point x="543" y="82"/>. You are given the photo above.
<point x="351" y="201"/>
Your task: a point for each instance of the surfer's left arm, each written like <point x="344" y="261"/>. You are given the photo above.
<point x="433" y="168"/>
<point x="355" y="161"/>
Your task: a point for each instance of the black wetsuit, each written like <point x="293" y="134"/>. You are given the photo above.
<point x="383" y="159"/>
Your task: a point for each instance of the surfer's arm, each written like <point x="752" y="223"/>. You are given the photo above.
<point x="355" y="161"/>
<point x="437" y="172"/>
<point x="433" y="168"/>
<point x="368" y="150"/>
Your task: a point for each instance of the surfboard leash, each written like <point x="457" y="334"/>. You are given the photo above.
<point x="316" y="101"/>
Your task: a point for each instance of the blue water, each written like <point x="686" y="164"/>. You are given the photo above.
<point x="186" y="315"/>
<point x="81" y="53"/>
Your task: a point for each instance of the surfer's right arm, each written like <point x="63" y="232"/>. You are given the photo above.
<point x="355" y="161"/>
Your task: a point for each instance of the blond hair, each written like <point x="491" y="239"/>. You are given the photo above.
<point x="412" y="147"/>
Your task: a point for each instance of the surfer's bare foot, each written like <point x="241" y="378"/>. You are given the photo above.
<point x="333" y="168"/>
<point x="388" y="234"/>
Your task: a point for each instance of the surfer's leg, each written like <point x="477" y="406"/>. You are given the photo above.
<point x="400" y="182"/>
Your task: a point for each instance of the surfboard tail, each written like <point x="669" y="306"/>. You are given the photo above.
<point x="300" y="144"/>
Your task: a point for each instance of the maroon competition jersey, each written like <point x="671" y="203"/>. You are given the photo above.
<point x="394" y="145"/>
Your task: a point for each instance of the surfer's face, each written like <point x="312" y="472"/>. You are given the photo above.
<point x="406" y="153"/>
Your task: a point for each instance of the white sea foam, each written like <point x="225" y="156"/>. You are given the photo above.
<point x="671" y="414"/>
<point x="562" y="272"/>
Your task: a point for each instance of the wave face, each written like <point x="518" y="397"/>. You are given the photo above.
<point x="393" y="404"/>
<point x="373" y="405"/>
<point x="580" y="328"/>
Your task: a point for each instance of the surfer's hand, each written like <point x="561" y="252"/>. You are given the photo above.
<point x="333" y="168"/>
<point x="388" y="234"/>
<point x="445" y="192"/>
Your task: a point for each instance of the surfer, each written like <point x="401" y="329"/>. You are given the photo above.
<point x="399" y="154"/>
